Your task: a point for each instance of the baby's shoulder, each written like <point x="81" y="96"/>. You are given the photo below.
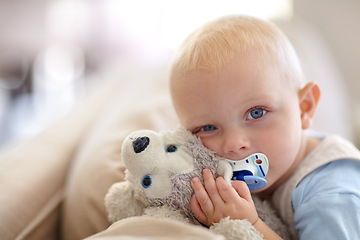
<point x="329" y="196"/>
<point x="341" y="176"/>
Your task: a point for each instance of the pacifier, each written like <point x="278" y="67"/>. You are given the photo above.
<point x="251" y="170"/>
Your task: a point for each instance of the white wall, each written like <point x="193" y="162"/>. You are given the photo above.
<point x="338" y="23"/>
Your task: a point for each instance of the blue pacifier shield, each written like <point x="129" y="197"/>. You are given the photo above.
<point x="255" y="183"/>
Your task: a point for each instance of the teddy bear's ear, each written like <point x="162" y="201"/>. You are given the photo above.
<point x="120" y="202"/>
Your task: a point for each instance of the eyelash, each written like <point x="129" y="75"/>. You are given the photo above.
<point x="264" y="111"/>
<point x="202" y="129"/>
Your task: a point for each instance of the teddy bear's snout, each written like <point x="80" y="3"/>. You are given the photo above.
<point x="140" y="143"/>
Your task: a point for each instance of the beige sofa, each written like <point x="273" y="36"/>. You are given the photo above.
<point x="52" y="185"/>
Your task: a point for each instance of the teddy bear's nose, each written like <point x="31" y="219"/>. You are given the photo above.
<point x="140" y="143"/>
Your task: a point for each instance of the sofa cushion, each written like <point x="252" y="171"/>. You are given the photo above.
<point x="150" y="228"/>
<point x="33" y="171"/>
<point x="98" y="163"/>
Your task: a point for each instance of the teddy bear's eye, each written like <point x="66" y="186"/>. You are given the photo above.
<point x="171" y="149"/>
<point x="146" y="182"/>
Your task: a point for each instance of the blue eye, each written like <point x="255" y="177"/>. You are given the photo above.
<point x="208" y="128"/>
<point x="256" y="113"/>
<point x="171" y="149"/>
<point x="146" y="182"/>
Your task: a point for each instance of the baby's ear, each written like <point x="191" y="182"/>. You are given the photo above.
<point x="309" y="97"/>
<point x="120" y="202"/>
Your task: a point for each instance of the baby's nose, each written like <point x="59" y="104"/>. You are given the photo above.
<point x="235" y="143"/>
<point x="140" y="143"/>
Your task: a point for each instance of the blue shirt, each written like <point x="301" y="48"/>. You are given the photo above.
<point x="326" y="202"/>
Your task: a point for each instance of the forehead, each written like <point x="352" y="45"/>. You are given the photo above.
<point x="240" y="83"/>
<point x="239" y="72"/>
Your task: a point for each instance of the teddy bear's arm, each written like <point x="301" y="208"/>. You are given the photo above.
<point x="236" y="229"/>
<point x="224" y="169"/>
<point x="120" y="202"/>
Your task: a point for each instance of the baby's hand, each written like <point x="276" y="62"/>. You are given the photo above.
<point x="217" y="199"/>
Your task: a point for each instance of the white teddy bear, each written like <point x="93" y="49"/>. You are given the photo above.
<point x="160" y="167"/>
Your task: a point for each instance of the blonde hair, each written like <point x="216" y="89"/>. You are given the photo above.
<point x="212" y="46"/>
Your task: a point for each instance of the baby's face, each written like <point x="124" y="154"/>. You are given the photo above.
<point x="237" y="112"/>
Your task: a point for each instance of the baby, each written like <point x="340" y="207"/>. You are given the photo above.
<point x="237" y="84"/>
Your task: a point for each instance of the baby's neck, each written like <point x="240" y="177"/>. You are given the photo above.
<point x="309" y="142"/>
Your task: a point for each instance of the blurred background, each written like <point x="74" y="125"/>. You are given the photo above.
<point x="50" y="51"/>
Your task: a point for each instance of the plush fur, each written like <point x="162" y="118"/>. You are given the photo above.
<point x="160" y="167"/>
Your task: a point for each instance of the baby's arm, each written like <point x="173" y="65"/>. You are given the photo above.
<point x="327" y="202"/>
<point x="217" y="199"/>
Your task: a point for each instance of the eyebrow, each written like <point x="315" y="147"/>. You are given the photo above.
<point x="262" y="97"/>
<point x="197" y="121"/>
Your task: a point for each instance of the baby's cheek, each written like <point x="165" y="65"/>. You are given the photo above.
<point x="212" y="145"/>
<point x="277" y="169"/>
<point x="206" y="144"/>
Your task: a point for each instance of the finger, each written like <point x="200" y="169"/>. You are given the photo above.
<point x="197" y="211"/>
<point x="202" y="197"/>
<point x="242" y="189"/>
<point x="226" y="191"/>
<point x="211" y="188"/>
